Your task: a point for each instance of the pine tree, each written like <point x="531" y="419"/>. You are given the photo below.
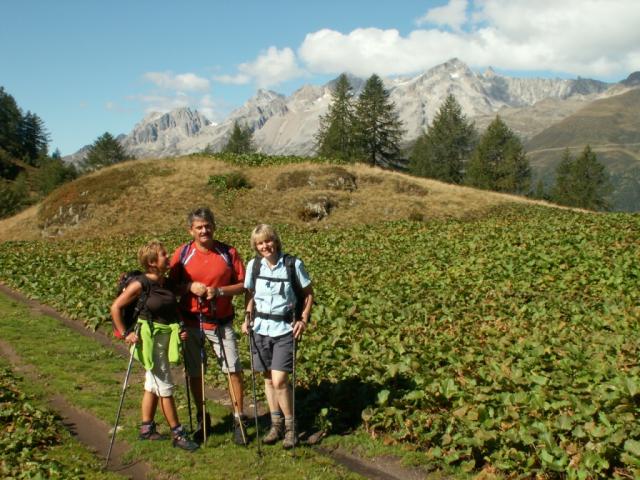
<point x="582" y="182"/>
<point x="53" y="172"/>
<point x="442" y="151"/>
<point x="335" y="137"/>
<point x="105" y="151"/>
<point x="378" y="128"/>
<point x="499" y="162"/>
<point x="34" y="138"/>
<point x="240" y="141"/>
<point x="10" y="123"/>
<point x="561" y="192"/>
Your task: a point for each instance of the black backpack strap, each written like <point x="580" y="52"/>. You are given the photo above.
<point x="142" y="300"/>
<point x="255" y="270"/>
<point x="223" y="250"/>
<point x="292" y="275"/>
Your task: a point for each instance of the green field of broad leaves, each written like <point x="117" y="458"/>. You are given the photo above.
<point x="508" y="343"/>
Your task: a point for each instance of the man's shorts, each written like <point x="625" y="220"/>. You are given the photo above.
<point x="194" y="343"/>
<point x="273" y="353"/>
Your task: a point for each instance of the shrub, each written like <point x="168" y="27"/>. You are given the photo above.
<point x="229" y="181"/>
<point x="409" y="188"/>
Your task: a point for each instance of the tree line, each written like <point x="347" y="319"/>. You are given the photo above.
<point x="366" y="128"/>
<point x="451" y="150"/>
<point x="27" y="171"/>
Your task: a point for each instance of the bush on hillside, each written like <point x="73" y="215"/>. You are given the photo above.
<point x="409" y="188"/>
<point x="229" y="181"/>
<point x="13" y="196"/>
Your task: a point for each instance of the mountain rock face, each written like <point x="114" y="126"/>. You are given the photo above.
<point x="287" y="125"/>
<point x="162" y="134"/>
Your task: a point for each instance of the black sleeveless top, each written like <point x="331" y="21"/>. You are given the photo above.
<point x="161" y="306"/>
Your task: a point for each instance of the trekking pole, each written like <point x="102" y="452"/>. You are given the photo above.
<point x="187" y="384"/>
<point x="253" y="385"/>
<point x="293" y="398"/>
<point x="124" y="389"/>
<point x="203" y="339"/>
<point x="232" y="390"/>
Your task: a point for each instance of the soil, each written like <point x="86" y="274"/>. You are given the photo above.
<point x="96" y="434"/>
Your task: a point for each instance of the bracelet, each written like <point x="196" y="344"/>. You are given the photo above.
<point x="219" y="292"/>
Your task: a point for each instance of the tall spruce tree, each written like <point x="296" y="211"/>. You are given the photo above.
<point x="105" y="151"/>
<point x="240" y="141"/>
<point x="10" y="124"/>
<point x="442" y="151"/>
<point x="582" y="182"/>
<point x="499" y="162"/>
<point x="561" y="191"/>
<point x="378" y="127"/>
<point x="34" y="138"/>
<point x="335" y="137"/>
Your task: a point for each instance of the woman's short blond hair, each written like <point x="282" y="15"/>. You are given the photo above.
<point x="265" y="232"/>
<point x="147" y="254"/>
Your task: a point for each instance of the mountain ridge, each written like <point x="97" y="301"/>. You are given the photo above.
<point x="287" y="125"/>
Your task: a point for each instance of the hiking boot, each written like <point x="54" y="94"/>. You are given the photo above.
<point x="240" y="426"/>
<point x="198" y="435"/>
<point x="276" y="431"/>
<point x="181" y="440"/>
<point x="148" y="432"/>
<point x="290" y="436"/>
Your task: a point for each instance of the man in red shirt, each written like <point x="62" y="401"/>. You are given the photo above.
<point x="210" y="274"/>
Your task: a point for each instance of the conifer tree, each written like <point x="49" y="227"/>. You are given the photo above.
<point x="34" y="138"/>
<point x="335" y="137"/>
<point x="582" y="182"/>
<point x="442" y="151"/>
<point x="10" y="123"/>
<point x="105" y="151"/>
<point x="499" y="162"/>
<point x="240" y="141"/>
<point x="378" y="127"/>
<point x="561" y="190"/>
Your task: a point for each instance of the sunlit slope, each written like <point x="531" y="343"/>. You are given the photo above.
<point x="611" y="126"/>
<point x="153" y="196"/>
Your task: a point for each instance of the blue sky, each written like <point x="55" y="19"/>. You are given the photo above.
<point x="88" y="66"/>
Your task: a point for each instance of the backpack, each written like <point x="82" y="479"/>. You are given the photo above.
<point x="131" y="312"/>
<point x="292" y="278"/>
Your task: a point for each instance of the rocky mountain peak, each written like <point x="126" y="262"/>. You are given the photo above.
<point x="632" y="80"/>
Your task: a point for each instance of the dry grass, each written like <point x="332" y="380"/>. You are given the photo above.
<point x="154" y="196"/>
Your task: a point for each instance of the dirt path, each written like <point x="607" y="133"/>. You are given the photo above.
<point x="89" y="430"/>
<point x="94" y="433"/>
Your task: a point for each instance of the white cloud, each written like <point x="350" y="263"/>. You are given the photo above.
<point x="182" y="82"/>
<point x="239" y="79"/>
<point x="209" y="108"/>
<point x="599" y="38"/>
<point x="270" y="68"/>
<point x="453" y="14"/>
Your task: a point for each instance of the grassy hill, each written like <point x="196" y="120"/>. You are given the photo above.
<point x="154" y="196"/>
<point x="612" y="127"/>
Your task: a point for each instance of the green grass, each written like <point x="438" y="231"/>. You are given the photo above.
<point x="89" y="376"/>
<point x="505" y="343"/>
<point x="33" y="438"/>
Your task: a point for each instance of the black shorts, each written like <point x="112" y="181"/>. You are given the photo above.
<point x="273" y="353"/>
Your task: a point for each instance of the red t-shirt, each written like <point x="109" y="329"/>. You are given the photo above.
<point x="211" y="269"/>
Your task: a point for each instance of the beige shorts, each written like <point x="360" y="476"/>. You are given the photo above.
<point x="194" y="346"/>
